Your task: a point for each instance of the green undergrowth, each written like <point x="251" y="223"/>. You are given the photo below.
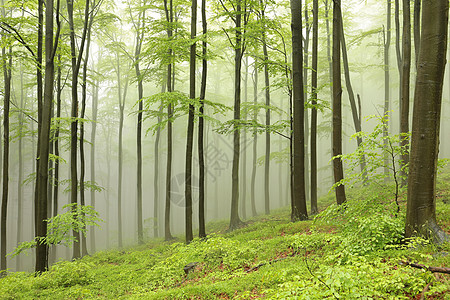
<point x="351" y="252"/>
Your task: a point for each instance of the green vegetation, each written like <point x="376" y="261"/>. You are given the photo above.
<point x="351" y="253"/>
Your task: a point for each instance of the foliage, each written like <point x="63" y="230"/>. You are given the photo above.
<point x="350" y="253"/>
<point x="60" y="227"/>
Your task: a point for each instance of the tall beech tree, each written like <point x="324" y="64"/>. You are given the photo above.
<point x="387" y="78"/>
<point x="41" y="204"/>
<point x="139" y="26"/>
<point x="201" y="155"/>
<point x="299" y="211"/>
<point x="315" y="39"/>
<point x="168" y="9"/>
<point x="239" y="15"/>
<point x="7" y="77"/>
<point x="190" y="127"/>
<point x="421" y="205"/>
<point x="76" y="64"/>
<point x="338" y="169"/>
<point x="405" y="84"/>
<point x="267" y="95"/>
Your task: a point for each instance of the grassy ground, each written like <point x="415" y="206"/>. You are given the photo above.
<point x="342" y="254"/>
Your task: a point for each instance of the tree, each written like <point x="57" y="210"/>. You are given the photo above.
<point x="76" y="64"/>
<point x="387" y="100"/>
<point x="201" y="158"/>
<point x="139" y="26"/>
<point x="337" y="103"/>
<point x="169" y="18"/>
<point x="267" y="94"/>
<point x="42" y="178"/>
<point x="299" y="211"/>
<point x="190" y="127"/>
<point x="406" y="70"/>
<point x="6" y="66"/>
<point x="239" y="16"/>
<point x="421" y="205"/>
<point x="314" y="209"/>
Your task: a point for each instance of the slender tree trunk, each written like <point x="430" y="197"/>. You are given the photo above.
<point x="76" y="63"/>
<point x="235" y="221"/>
<point x="20" y="171"/>
<point x="137" y="54"/>
<point x="190" y="127"/>
<point x="122" y="98"/>
<point x="170" y="85"/>
<point x="314" y="209"/>
<point x="305" y="92"/>
<point x="398" y="52"/>
<point x="299" y="211"/>
<point x="330" y="73"/>
<point x="41" y="204"/>
<point x="95" y="93"/>
<point x="244" y="149"/>
<point x="201" y="155"/>
<point x="267" y="93"/>
<point x="56" y="148"/>
<point x="387" y="78"/>
<point x="156" y="215"/>
<point x="337" y="103"/>
<point x="417" y="7"/>
<point x="405" y="85"/>
<point x="255" y="139"/>
<point x="351" y="96"/>
<point x="421" y="205"/>
<point x="83" y="110"/>
<point x="7" y="66"/>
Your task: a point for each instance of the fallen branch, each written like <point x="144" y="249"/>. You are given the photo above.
<point x="443" y="270"/>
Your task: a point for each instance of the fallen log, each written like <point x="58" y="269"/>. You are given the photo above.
<point x="443" y="270"/>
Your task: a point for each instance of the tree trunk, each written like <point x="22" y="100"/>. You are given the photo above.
<point x="137" y="53"/>
<point x="387" y="100"/>
<point x="76" y="63"/>
<point x="20" y="172"/>
<point x="406" y="70"/>
<point x="41" y="204"/>
<point x="417" y="7"/>
<point x="421" y="205"/>
<point x="337" y="103"/>
<point x="83" y="110"/>
<point x="299" y="211"/>
<point x="255" y="139"/>
<point x="267" y="90"/>
<point x="95" y="92"/>
<point x="305" y="92"/>
<point x="351" y="96"/>
<point x="170" y="85"/>
<point x="190" y="127"/>
<point x="122" y="99"/>
<point x="235" y="221"/>
<point x="243" y="199"/>
<point x="7" y="66"/>
<point x="201" y="156"/>
<point x="398" y="52"/>
<point x="314" y="209"/>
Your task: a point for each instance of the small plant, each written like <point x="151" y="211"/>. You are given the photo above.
<point x="60" y="227"/>
<point x="383" y="160"/>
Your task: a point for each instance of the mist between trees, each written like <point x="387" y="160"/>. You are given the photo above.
<point x="166" y="114"/>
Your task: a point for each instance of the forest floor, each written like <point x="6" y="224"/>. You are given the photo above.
<point x="356" y="253"/>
